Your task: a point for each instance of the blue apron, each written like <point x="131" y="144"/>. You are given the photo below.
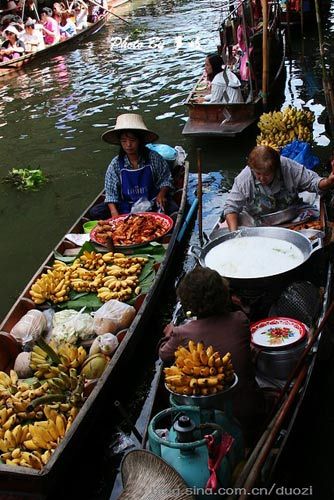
<point x="135" y="184"/>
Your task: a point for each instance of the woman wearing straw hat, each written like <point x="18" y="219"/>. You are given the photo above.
<point x="136" y="172"/>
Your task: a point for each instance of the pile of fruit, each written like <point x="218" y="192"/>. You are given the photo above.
<point x="111" y="276"/>
<point x="279" y="128"/>
<point x="36" y="412"/>
<point x="199" y="371"/>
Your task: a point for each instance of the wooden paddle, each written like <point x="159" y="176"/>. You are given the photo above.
<point x="109" y="11"/>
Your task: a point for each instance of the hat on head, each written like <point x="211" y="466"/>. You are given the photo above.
<point x="12" y="29"/>
<point x="30" y="22"/>
<point x="149" y="477"/>
<point x="129" y="122"/>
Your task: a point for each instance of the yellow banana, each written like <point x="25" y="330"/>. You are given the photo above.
<point x="60" y="425"/>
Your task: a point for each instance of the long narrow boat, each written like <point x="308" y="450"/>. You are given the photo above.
<point x="75" y="446"/>
<point x="17" y="64"/>
<point x="258" y="468"/>
<point x="230" y="119"/>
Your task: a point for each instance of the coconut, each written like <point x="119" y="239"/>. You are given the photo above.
<point x="94" y="366"/>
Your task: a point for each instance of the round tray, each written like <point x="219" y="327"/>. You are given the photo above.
<point x="164" y="219"/>
<point x="264" y="336"/>
<point x="210" y="401"/>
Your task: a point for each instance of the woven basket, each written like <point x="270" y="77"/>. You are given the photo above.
<point x="146" y="476"/>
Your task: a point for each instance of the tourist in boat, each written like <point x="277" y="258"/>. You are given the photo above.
<point x="67" y="27"/>
<point x="50" y="28"/>
<point x="225" y="85"/>
<point x="136" y="173"/>
<point x="12" y="47"/>
<point x="57" y="11"/>
<point x="81" y="15"/>
<point x="205" y="294"/>
<point x="32" y="38"/>
<point x="270" y="183"/>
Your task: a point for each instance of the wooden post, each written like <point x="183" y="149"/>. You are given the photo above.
<point x="302" y="18"/>
<point x="265" y="53"/>
<point x="244" y="27"/>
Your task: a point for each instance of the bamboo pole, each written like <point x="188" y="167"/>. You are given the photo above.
<point x="265" y="58"/>
<point x="327" y="84"/>
<point x="302" y="18"/>
<point x="200" y="196"/>
<point x="247" y="49"/>
<point x="109" y="11"/>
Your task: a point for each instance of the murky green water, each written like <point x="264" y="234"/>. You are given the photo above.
<point x="53" y="114"/>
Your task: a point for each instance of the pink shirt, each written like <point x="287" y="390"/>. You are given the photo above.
<point x="51" y="25"/>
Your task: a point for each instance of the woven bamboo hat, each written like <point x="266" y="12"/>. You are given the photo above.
<point x="149" y="477"/>
<point x="129" y="122"/>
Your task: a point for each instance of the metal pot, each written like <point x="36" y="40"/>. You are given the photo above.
<point x="306" y="246"/>
<point x="278" y="363"/>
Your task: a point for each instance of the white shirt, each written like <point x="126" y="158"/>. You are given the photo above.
<point x="225" y="87"/>
<point x="32" y="42"/>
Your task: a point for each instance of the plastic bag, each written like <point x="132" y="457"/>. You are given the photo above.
<point x="106" y="343"/>
<point x="301" y="152"/>
<point x="141" y="205"/>
<point x="70" y="326"/>
<point x="29" y="327"/>
<point x="181" y="155"/>
<point x="120" y="443"/>
<point x="167" y="152"/>
<point x="112" y="317"/>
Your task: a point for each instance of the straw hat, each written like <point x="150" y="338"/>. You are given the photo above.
<point x="149" y="477"/>
<point x="128" y="122"/>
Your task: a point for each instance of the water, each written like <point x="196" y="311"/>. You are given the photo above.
<point x="53" y="113"/>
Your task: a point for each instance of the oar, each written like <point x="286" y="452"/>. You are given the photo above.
<point x="109" y="11"/>
<point x="199" y="197"/>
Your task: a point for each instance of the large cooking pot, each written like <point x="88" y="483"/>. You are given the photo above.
<point x="300" y="241"/>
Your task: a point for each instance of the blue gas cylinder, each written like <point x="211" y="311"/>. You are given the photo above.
<point x="187" y="451"/>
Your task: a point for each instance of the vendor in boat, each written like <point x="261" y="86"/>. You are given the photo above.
<point x="136" y="172"/>
<point x="270" y="183"/>
<point x="225" y="86"/>
<point x="205" y="294"/>
<point x="51" y="31"/>
<point x="12" y="47"/>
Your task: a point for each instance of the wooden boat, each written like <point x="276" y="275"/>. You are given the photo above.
<point x="262" y="459"/>
<point x="230" y="119"/>
<point x="17" y="64"/>
<point x="98" y="406"/>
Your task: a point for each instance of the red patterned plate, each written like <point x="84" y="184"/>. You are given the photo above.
<point x="277" y="332"/>
<point x="121" y="229"/>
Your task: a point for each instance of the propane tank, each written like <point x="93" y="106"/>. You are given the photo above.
<point x="186" y="448"/>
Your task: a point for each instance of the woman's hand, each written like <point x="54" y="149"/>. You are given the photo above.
<point x="161" y="199"/>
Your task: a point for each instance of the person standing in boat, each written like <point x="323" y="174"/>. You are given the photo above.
<point x="136" y="172"/>
<point x="270" y="183"/>
<point x="205" y="294"/>
<point x="225" y="85"/>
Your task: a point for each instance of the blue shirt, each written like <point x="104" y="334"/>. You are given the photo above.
<point x="160" y="170"/>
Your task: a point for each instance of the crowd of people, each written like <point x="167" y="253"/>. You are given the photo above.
<point x="27" y="28"/>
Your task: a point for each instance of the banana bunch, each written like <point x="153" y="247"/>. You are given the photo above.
<point x="90" y="260"/>
<point x="199" y="371"/>
<point x="279" y="128"/>
<point x="14" y="438"/>
<point x="53" y="285"/>
<point x="70" y="355"/>
<point x="122" y="277"/>
<point x="8" y="383"/>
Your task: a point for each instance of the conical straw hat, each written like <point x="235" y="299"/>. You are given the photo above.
<point x="128" y="122"/>
<point x="146" y="476"/>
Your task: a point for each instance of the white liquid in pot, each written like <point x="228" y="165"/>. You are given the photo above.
<point x="253" y="257"/>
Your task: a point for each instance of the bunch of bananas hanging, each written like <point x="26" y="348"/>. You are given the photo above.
<point x="111" y="276"/>
<point x="199" y="371"/>
<point x="53" y="285"/>
<point x="32" y="445"/>
<point x="279" y="128"/>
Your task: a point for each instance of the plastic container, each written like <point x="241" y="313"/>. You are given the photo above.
<point x="88" y="226"/>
